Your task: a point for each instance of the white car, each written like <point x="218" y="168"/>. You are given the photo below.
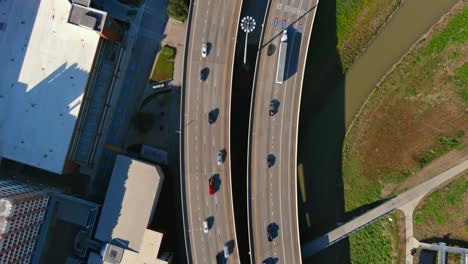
<point x="204" y="50"/>
<point x="205" y="226"/>
<point x="226" y="252"/>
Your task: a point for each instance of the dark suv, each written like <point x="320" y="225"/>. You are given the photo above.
<point x="213" y="116"/>
<point x="271" y="160"/>
<point x="274" y="105"/>
<point x="272" y="231"/>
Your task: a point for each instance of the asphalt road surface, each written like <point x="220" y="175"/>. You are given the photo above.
<point x="273" y="191"/>
<point x="208" y="87"/>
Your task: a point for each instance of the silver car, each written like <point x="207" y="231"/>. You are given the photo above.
<point x="221" y="157"/>
<point x="204" y="50"/>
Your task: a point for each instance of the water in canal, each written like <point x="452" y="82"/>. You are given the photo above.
<point x="409" y="23"/>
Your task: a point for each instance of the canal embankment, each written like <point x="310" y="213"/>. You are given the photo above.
<point x="331" y="98"/>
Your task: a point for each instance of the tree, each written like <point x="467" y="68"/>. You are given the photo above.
<point x="178" y="9"/>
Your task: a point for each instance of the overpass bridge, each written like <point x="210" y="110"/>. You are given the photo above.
<point x="377" y="213"/>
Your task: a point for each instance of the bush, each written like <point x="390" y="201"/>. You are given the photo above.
<point x="445" y="145"/>
<point x="168" y="51"/>
<point x="178" y="9"/>
<point x="143" y="122"/>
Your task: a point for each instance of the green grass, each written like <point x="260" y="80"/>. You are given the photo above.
<point x="164" y="66"/>
<point x="454" y="33"/>
<point x="435" y="209"/>
<point x="357" y="21"/>
<point x="444" y="145"/>
<point x="461" y="79"/>
<point x="370" y="245"/>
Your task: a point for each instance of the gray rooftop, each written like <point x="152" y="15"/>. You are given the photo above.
<point x="130" y="202"/>
<point x="46" y="63"/>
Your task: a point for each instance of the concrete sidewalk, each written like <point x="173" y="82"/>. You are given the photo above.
<point x="175" y="37"/>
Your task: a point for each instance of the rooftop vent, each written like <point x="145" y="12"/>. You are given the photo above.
<point x="113" y="254"/>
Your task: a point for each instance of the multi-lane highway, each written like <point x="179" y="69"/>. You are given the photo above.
<point x="208" y="87"/>
<point x="272" y="191"/>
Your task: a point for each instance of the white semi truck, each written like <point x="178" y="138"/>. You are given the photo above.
<point x="282" y="57"/>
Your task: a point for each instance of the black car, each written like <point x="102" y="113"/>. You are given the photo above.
<point x="270" y="260"/>
<point x="213" y="116"/>
<point x="271" y="49"/>
<point x="271" y="160"/>
<point x="204" y="74"/>
<point x="272" y="231"/>
<point x="274" y="105"/>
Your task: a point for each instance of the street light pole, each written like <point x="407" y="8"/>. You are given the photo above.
<point x="247" y="25"/>
<point x="245" y="49"/>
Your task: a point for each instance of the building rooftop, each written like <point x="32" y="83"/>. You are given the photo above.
<point x="148" y="253"/>
<point x="46" y="63"/>
<point x="130" y="202"/>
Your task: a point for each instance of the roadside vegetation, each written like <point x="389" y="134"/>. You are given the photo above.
<point x="378" y="248"/>
<point x="441" y="215"/>
<point x="164" y="68"/>
<point x="358" y="21"/>
<point x="411" y="128"/>
<point x="178" y="9"/>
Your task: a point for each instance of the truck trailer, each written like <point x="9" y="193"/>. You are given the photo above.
<point x="282" y="57"/>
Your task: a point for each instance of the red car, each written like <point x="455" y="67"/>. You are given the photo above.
<point x="211" y="186"/>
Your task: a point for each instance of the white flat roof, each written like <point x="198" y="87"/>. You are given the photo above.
<point x="45" y="64"/>
<point x="131" y="197"/>
<point x="148" y="253"/>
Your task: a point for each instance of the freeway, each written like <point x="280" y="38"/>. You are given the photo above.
<point x="208" y="87"/>
<point x="272" y="191"/>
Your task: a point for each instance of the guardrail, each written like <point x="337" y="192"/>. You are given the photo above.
<point x="181" y="138"/>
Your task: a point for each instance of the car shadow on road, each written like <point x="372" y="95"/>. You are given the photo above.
<point x="321" y="134"/>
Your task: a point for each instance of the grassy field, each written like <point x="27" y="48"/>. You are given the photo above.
<point x="357" y="22"/>
<point x="378" y="247"/>
<point x="164" y="65"/>
<point x="416" y="115"/>
<point x="441" y="213"/>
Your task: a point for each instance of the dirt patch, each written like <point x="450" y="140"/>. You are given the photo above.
<point x="436" y="167"/>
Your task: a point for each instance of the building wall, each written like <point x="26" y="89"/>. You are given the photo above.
<point x="22" y="211"/>
<point x="112" y="30"/>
